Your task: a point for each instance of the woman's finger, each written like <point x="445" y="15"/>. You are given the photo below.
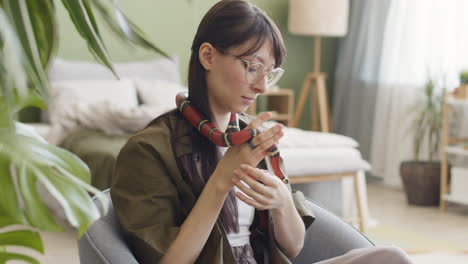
<point x="265" y="135"/>
<point x="264" y="146"/>
<point x="259" y="120"/>
<point x="250" y="192"/>
<point x="251" y="182"/>
<point x="258" y="174"/>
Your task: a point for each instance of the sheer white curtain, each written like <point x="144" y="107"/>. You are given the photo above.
<point x="392" y="48"/>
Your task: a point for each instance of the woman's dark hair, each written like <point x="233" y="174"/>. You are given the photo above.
<point x="229" y="23"/>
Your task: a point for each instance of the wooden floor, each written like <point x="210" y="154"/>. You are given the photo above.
<point x="415" y="228"/>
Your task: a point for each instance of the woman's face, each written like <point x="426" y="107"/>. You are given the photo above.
<point x="228" y="89"/>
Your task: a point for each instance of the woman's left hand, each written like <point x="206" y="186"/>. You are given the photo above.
<point x="268" y="194"/>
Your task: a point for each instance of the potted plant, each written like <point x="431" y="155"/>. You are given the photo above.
<point x="461" y="92"/>
<point x="28" y="41"/>
<point x="464" y="77"/>
<point x="421" y="177"/>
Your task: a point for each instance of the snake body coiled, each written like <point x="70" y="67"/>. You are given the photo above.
<point x="233" y="135"/>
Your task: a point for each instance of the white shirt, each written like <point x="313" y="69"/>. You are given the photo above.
<point x="245" y="216"/>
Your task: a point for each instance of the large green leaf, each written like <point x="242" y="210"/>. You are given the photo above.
<point x="32" y="98"/>
<point x="83" y="18"/>
<point x="20" y="16"/>
<point x="6" y="256"/>
<point x="11" y="56"/>
<point x="63" y="174"/>
<point x="123" y="27"/>
<point x="36" y="211"/>
<point x="6" y="122"/>
<point x="419" y="133"/>
<point x="10" y="211"/>
<point x="72" y="194"/>
<point x="22" y="238"/>
<point x="42" y="15"/>
<point x="29" y="145"/>
<point x="14" y="92"/>
<point x="13" y="78"/>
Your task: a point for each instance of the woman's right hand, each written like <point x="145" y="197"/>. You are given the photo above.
<point x="244" y="154"/>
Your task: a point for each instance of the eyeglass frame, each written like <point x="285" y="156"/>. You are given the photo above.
<point x="249" y="63"/>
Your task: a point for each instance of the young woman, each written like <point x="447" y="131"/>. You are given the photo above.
<point x="181" y="196"/>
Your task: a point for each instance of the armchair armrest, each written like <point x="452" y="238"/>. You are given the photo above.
<point x="329" y="236"/>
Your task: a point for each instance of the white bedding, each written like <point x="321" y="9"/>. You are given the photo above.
<point x="309" y="161"/>
<point x="298" y="138"/>
<point x="104" y="116"/>
<point x="113" y="119"/>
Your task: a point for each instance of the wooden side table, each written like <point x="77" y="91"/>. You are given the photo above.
<point x="450" y="145"/>
<point x="280" y="102"/>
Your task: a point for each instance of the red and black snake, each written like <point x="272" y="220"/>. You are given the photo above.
<point x="233" y="136"/>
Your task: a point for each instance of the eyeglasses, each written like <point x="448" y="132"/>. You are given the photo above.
<point x="254" y="71"/>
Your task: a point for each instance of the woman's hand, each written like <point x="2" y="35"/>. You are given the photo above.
<point x="272" y="194"/>
<point x="244" y="154"/>
<point x="261" y="189"/>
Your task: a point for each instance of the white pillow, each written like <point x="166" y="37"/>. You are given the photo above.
<point x="66" y="95"/>
<point x="111" y="118"/>
<point x="159" y="93"/>
<point x="121" y="92"/>
<point x="161" y="69"/>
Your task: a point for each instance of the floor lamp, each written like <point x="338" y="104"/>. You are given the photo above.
<point x="317" y="18"/>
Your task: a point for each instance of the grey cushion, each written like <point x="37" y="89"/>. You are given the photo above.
<point x="103" y="242"/>
<point x="327" y="237"/>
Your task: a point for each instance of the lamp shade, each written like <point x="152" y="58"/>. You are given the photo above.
<point x="318" y="17"/>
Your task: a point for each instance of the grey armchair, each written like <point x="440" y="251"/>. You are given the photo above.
<point x="327" y="237"/>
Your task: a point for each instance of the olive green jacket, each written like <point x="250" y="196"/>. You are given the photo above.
<point x="152" y="197"/>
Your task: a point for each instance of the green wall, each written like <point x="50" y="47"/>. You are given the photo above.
<point x="172" y="24"/>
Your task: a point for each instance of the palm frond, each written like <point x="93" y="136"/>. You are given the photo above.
<point x="20" y="15"/>
<point x="13" y="77"/>
<point x="45" y="30"/>
<point x="83" y="19"/>
<point x="427" y="124"/>
<point x="121" y="25"/>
